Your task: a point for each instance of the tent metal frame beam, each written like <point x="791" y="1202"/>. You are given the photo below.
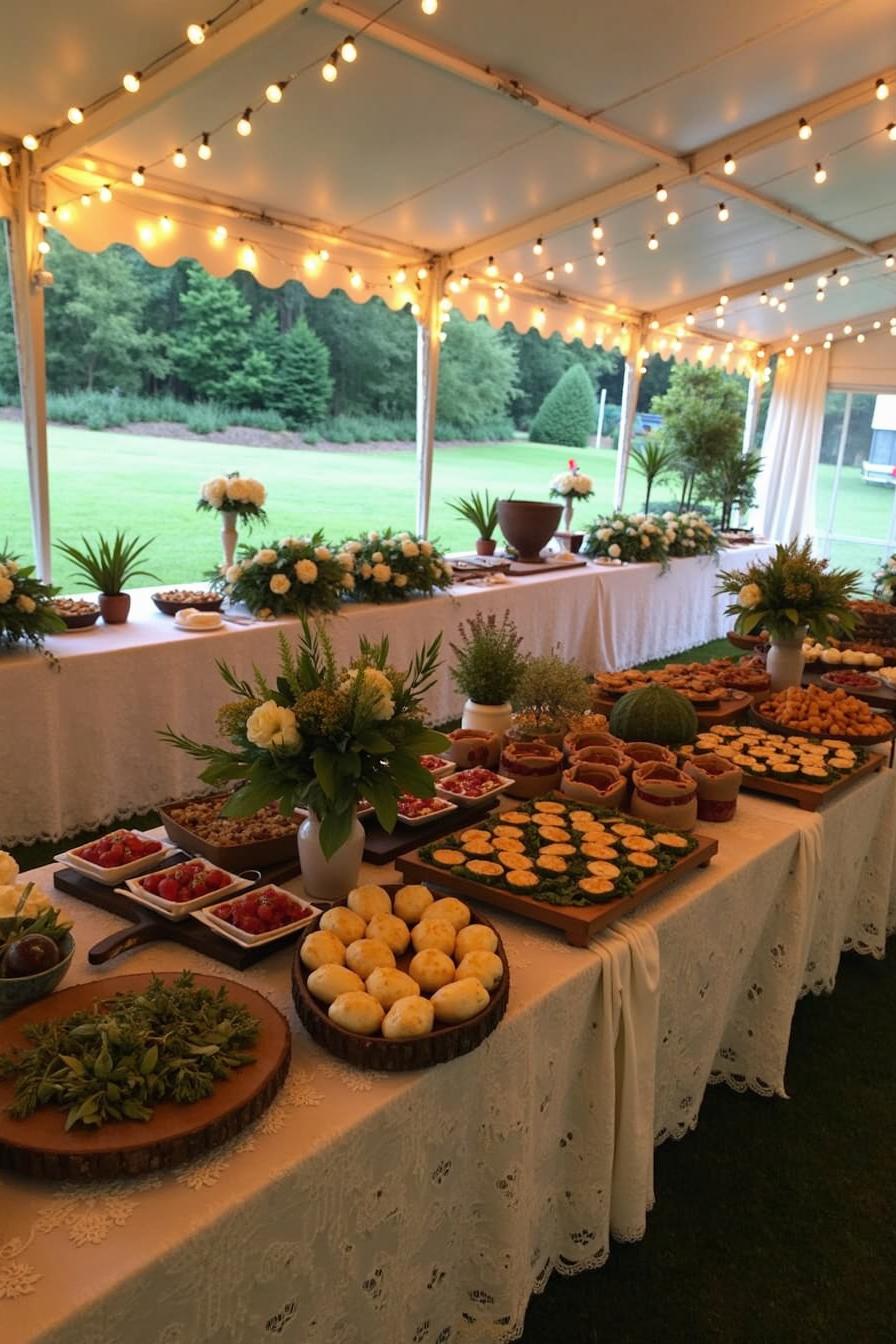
<point x="816" y="335"/>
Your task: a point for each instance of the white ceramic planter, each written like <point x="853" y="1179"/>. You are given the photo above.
<point x="329" y="879"/>
<point x="786" y="661"/>
<point x="488" y="718"/>
<point x="228" y="536"/>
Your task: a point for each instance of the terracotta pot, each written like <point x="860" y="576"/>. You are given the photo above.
<point x="642" y="753"/>
<point x="603" y="756"/>
<point x="528" y="525"/>
<point x="114" y="607"/>
<point x="718" y="784"/>
<point x="578" y="741"/>
<point x="603" y="785"/>
<point x="535" y="768"/>
<point x="485" y="545"/>
<point x="474" y="746"/>
<point x="664" y="795"/>
<point x="522" y="732"/>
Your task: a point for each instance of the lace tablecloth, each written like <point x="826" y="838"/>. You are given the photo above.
<point x="367" y="1208"/>
<point x="88" y="732"/>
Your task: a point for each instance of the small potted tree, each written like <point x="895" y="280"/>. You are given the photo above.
<point x="549" y="694"/>
<point x="108" y="567"/>
<point x="482" y="512"/>
<point x="487" y="669"/>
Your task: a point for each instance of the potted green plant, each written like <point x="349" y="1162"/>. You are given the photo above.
<point x="654" y="459"/>
<point x="108" y="567"/>
<point x="549" y="693"/>
<point x="482" y="512"/>
<point x="789" y="595"/>
<point x="487" y="669"/>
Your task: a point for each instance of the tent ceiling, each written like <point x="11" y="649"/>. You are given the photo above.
<point x="426" y="159"/>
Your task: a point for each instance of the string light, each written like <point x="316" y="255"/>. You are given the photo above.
<point x="729" y="167"/>
<point x="844" y="279"/>
<point x="75" y="115"/>
<point x="568" y="267"/>
<point x="539" y="318"/>
<point x="653" y="242"/>
<point x="348" y="51"/>
<point x="876" y="326"/>
<point x="890" y="261"/>
<point x="720" y="310"/>
<point x="763" y="297"/>
<point x="538" y="247"/>
<point x="720" y="322"/>
<point x="105" y="193"/>
<point x="827" y="344"/>
<point x="43" y="217"/>
<point x="30" y="142"/>
<point x="789" y="352"/>
<point x="205" y="150"/>
<point x="244" y="125"/>
<point x="881" y="90"/>
<point x="724" y="299"/>
<point x="788" y="283"/>
<point x="423" y="272"/>
<point x="196" y="33"/>
<point x="822" y="282"/>
<point x="5" y="158"/>
<point x="86" y="201"/>
<point x="891" y="130"/>
<point x="324" y="254"/>
<point x="722" y="212"/>
<point x="43" y="247"/>
<point x="165" y="224"/>
<point x="690" y="319"/>
<point x="499" y="292"/>
<point x="146" y="235"/>
<point x="446" y="305"/>
<point x="819" y="295"/>
<point x="138" y="176"/>
<point x="795" y="338"/>
<point x="248" y="259"/>
<point x="131" y="81"/>
<point x="274" y="92"/>
<point x="596" y="231"/>
<point x="807" y="349"/>
<point x="401" y="275"/>
<point x="330" y="68"/>
<point x="672" y="218"/>
<point x="179" y="158"/>
<point x="861" y="338"/>
<point x="518" y="277"/>
<point x="491" y="269"/>
<point x="549" y="273"/>
<point x="782" y="306"/>
<point x="465" y="282"/>
<point x="820" y="175"/>
<point x="219" y="233"/>
<point x="847" y="330"/>
<point x="429" y="7"/>
<point x="661" y="193"/>
<point x="804" y="130"/>
<point x="600" y="259"/>
<point x="355" y="279"/>
<point x="829" y="335"/>
<point x="774" y="301"/>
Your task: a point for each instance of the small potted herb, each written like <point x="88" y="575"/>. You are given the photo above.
<point x="487" y="669"/>
<point x="108" y="567"/>
<point x="482" y="512"/>
<point x="550" y="692"/>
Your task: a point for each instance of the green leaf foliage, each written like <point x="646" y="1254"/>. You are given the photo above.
<point x="568" y="413"/>
<point x="305" y="385"/>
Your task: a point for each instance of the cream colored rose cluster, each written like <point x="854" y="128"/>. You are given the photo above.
<point x="628" y="537"/>
<point x="233" y="494"/>
<point x="298" y="574"/>
<point x="690" y="534"/>
<point x="390" y="566"/>
<point x="25" y="610"/>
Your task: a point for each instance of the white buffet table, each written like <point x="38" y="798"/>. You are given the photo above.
<point x="376" y="1209"/>
<point x="88" y="732"/>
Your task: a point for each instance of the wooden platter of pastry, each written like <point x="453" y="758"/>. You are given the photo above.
<point x="872" y="740"/>
<point x="40" y="1146"/>
<point x="365" y="1046"/>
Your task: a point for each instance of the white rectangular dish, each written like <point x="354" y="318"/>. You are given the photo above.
<point x="241" y="937"/>
<point x="178" y="910"/>
<point x="462" y="801"/>
<point x="110" y="877"/>
<point x="450" y="806"/>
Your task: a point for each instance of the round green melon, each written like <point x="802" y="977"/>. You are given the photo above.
<point x="654" y="714"/>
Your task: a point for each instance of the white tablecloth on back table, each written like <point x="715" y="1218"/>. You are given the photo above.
<point x="82" y="742"/>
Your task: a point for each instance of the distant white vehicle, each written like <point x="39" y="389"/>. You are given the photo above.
<point x="879" y="468"/>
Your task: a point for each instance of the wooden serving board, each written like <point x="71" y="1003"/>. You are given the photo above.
<point x="708" y="716"/>
<point x="578" y="922"/>
<point x="40" y="1146"/>
<point x="148" y="927"/>
<point x="380" y="847"/>
<point x="773" y="726"/>
<point x="809" y="797"/>
<point x="522" y="569"/>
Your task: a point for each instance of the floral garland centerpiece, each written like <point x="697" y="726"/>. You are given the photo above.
<point x="295" y="575"/>
<point x="690" y="534"/>
<point x="885" y="581"/>
<point x="233" y="496"/>
<point x="569" y="486"/>
<point x="325" y="738"/>
<point x="393" y="566"/>
<point x="26" y="613"/>
<point x="625" y="538"/>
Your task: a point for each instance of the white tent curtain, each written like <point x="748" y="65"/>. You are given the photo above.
<point x="786" y="486"/>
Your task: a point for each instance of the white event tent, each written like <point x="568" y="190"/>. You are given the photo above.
<point x="707" y="181"/>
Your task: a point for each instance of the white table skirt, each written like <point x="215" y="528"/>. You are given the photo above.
<point x="371" y="1208"/>
<point x="83" y="740"/>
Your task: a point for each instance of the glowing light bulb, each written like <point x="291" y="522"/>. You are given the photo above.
<point x="782" y="307"/>
<point x="105" y="193"/>
<point x="819" y="295"/>
<point x="323" y="254"/>
<point x="43" y="247"/>
<point x="423" y="271"/>
<point x="720" y="322"/>
<point x="274" y="92"/>
<point x="75" y="115"/>
<point x="891" y="130"/>
<point x="890" y="261"/>
<point x="789" y="352"/>
<point x="829" y="335"/>
<point x="43" y="217"/>
<point x="653" y="242"/>
<point x="795" y="338"/>
<point x="881" y="90"/>
<point x="131" y="81"/>
<point x="774" y="301"/>
<point x="596" y="231"/>
<point x="724" y="299"/>
<point x="465" y="282"/>
<point x="446" y="305"/>
<point x="146" y="235"/>
<point x="720" y="310"/>
<point x="499" y="291"/>
<point x="820" y="175"/>
<point x="538" y="247"/>
<point x="86" y="201"/>
<point x="847" y="330"/>
<point x="861" y="338"/>
<point x="30" y="142"/>
<point x="827" y="345"/>
<point x="690" y="319"/>
<point x="518" y="277"/>
<point x="804" y="130"/>
<point x="568" y="267"/>
<point x="429" y="6"/>
<point x="348" y="51"/>
<point x="722" y="212"/>
<point x="248" y="259"/>
<point x="356" y="280"/>
<point x="401" y="275"/>
<point x="729" y="167"/>
<point x="600" y="259"/>
<point x="165" y="224"/>
<point x="5" y="158"/>
<point x="179" y="159"/>
<point x="539" y="318"/>
<point x="219" y="233"/>
<point x="196" y="33"/>
<point x="329" y="70"/>
<point x="876" y="326"/>
<point x="822" y="282"/>
<point x="549" y="273"/>
<point x="844" y="279"/>
<point x="244" y="125"/>
<point x="205" y="150"/>
<point x="788" y="284"/>
<point x="415" y="309"/>
<point x="661" y="193"/>
<point x="807" y="349"/>
<point x="672" y="218"/>
<point x="138" y="177"/>
<point x="763" y="297"/>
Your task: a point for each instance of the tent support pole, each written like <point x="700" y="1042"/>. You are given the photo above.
<point x="429" y="349"/>
<point x="28" y="317"/>
<point x="751" y="420"/>
<point x="631" y="382"/>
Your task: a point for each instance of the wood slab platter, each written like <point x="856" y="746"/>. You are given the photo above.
<point x="774" y="727"/>
<point x="578" y="922"/>
<point x="148" y="927"/>
<point x="522" y="569"/>
<point x="809" y="797"/>
<point x="721" y="711"/>
<point x="442" y="1044"/>
<point x="40" y="1146"/>
<point x="380" y="847"/>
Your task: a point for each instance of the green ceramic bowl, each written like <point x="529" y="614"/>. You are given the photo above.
<point x="16" y="992"/>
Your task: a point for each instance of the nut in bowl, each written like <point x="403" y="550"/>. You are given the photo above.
<point x="260" y="916"/>
<point x="179" y="890"/>
<point x="77" y="612"/>
<point x="115" y="857"/>
<point x="173" y="600"/>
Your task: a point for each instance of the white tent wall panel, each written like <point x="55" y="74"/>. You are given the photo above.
<point x="869" y="367"/>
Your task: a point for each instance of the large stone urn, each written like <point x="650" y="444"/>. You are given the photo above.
<point x="528" y="525"/>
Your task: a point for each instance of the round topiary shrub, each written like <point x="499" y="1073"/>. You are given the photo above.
<point x="654" y="714"/>
<point x="568" y="414"/>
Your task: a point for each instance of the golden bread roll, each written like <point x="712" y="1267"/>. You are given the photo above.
<point x="358" y="1012"/>
<point x="410" y="903"/>
<point x="388" y="985"/>
<point x="322" y="948"/>
<point x="408" y="1018"/>
<point x="346" y="925"/>
<point x="392" y="931"/>
<point x="431" y="969"/>
<point x="450" y="908"/>
<point x="486" y="967"/>
<point x="475" y="938"/>
<point x="366" y="954"/>
<point x="369" y="900"/>
<point x="460" y="1001"/>
<point x="328" y="982"/>
<point x="433" y="933"/>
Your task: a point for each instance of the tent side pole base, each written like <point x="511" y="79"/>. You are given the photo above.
<point x="429" y="349"/>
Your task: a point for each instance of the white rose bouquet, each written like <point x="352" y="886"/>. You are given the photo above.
<point x="628" y="538"/>
<point x="791" y="592"/>
<point x="572" y="484"/>
<point x="690" y="534"/>
<point x="392" y="566"/>
<point x="295" y="575"/>
<point x="323" y="736"/>
<point x="234" y="493"/>
<point x="885" y="581"/>
<point x="26" y="611"/>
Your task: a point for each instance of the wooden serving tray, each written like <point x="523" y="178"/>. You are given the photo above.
<point x="809" y="797"/>
<point x="578" y="922"/>
<point x="40" y="1146"/>
<point x="773" y="726"/>
<point x="708" y="716"/>
<point x="380" y="847"/>
<point x="375" y="1052"/>
<point x="148" y="927"/>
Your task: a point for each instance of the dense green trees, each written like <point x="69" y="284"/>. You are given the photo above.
<point x="305" y="387"/>
<point x="568" y="414"/>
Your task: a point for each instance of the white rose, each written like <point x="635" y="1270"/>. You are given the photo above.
<point x="410" y="549"/>
<point x="233" y="572"/>
<point x="378" y="687"/>
<point x="11" y="894"/>
<point x="639" y="517"/>
<point x="614" y="551"/>
<point x="750" y="595"/>
<point x="271" y="725"/>
<point x="9" y="869"/>
<point x="426" y="547"/>
<point x="373" y="536"/>
<point x="322" y="552"/>
<point x="689" y="531"/>
<point x="668" y="514"/>
<point x="214" y="491"/>
<point x="353" y="547"/>
<point x="630" y="532"/>
<point x="4" y="571"/>
<point x="266" y="556"/>
<point x="645" y="542"/>
<point x="346" y="560"/>
<point x="381" y="573"/>
<point x="306" y="571"/>
<point x="279" y="583"/>
<point x="263" y="614"/>
<point x="402" y="536"/>
<point x="288" y="542"/>
<point x="366" y="570"/>
<point x="11" y="567"/>
<point x="25" y="603"/>
<point x="348" y="581"/>
<point x="400" y="580"/>
<point x="377" y="557"/>
<point x="5" y="589"/>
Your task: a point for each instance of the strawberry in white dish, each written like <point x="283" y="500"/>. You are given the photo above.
<point x="186" y="881"/>
<point x="471" y="786"/>
<point x="117" y="849"/>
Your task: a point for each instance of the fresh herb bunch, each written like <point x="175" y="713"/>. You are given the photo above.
<point x="488" y="664"/>
<point x="325" y="736"/>
<point x="550" y="691"/>
<point x="790" y="591"/>
<point x="25" y="610"/>
<point x="122" y="1057"/>
<point x="111" y="564"/>
<point x="481" y="511"/>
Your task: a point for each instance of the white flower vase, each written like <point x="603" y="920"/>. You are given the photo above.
<point x="786" y="661"/>
<point x="567" y="514"/>
<point x="329" y="879"/>
<point x="228" y="536"/>
<point x="487" y="718"/>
